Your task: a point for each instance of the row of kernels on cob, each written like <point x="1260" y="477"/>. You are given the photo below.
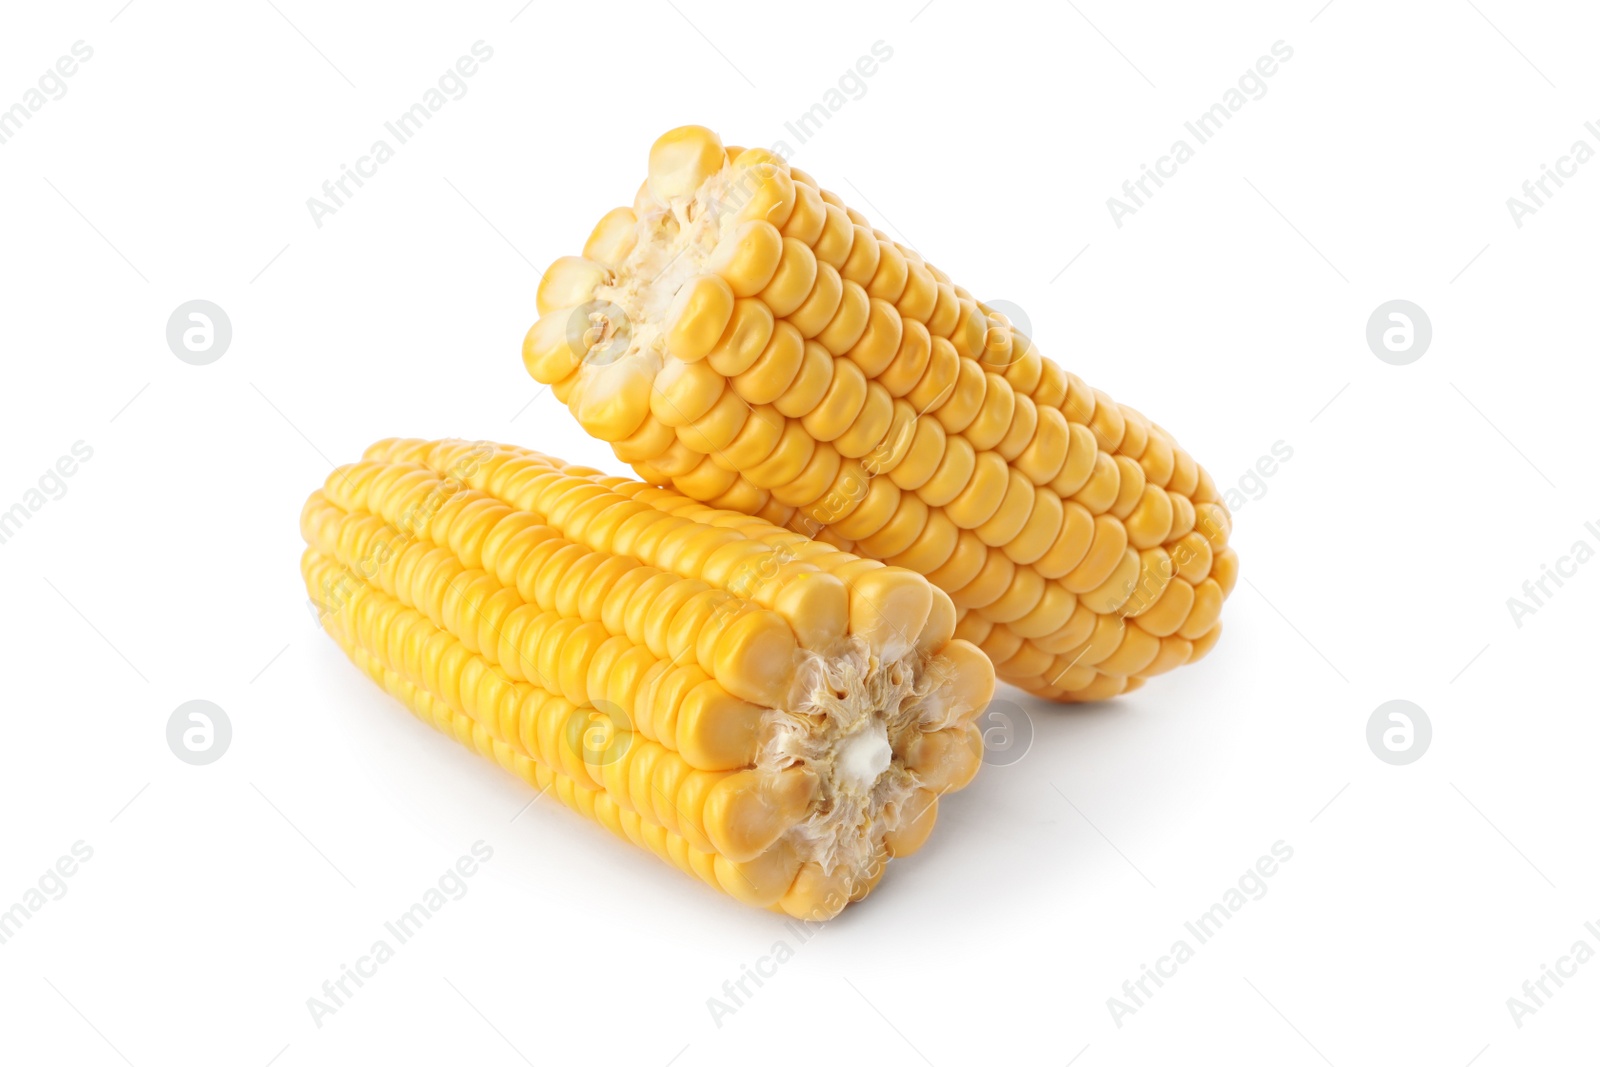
<point x="764" y="350"/>
<point x="769" y="878"/>
<point x="627" y="652"/>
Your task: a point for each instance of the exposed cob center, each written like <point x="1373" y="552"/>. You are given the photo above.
<point x="852" y="720"/>
<point x="627" y="357"/>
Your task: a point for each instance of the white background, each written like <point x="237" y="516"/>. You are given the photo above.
<point x="1377" y="562"/>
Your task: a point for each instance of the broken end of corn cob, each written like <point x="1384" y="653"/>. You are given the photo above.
<point x="771" y="715"/>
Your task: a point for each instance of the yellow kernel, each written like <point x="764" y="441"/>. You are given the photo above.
<point x="699" y="313"/>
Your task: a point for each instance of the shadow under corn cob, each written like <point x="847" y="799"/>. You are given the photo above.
<point x="742" y="336"/>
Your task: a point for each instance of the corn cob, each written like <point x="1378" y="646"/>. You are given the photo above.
<point x="772" y="715"/>
<point x="742" y="336"/>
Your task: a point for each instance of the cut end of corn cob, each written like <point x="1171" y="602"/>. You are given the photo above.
<point x="772" y="715"/>
<point x="743" y="337"/>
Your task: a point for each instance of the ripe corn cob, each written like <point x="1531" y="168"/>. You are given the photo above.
<point x="769" y="714"/>
<point x="741" y="335"/>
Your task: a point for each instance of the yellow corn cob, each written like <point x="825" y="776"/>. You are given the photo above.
<point x="741" y="335"/>
<point x="769" y="714"/>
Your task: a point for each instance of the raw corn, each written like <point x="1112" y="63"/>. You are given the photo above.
<point x="770" y="714"/>
<point x="742" y="336"/>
